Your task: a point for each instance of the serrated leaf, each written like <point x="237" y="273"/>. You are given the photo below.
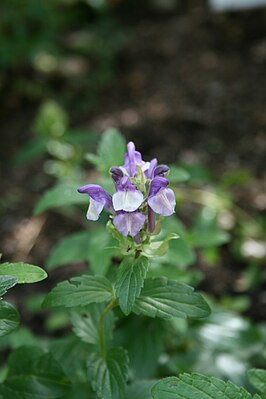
<point x="257" y="378"/>
<point x="168" y="298"/>
<point x="7" y="282"/>
<point x="9" y="318"/>
<point x="197" y="386"/>
<point x="61" y="195"/>
<point x="80" y="291"/>
<point x="130" y="280"/>
<point x="108" y="375"/>
<point x="33" y="374"/>
<point x="86" y="326"/>
<point x="73" y="248"/>
<point x="24" y="272"/>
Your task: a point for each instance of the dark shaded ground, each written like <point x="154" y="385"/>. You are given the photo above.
<point x="190" y="86"/>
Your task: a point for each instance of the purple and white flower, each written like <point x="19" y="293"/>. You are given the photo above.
<point x="99" y="199"/>
<point x="127" y="197"/>
<point x="134" y="205"/>
<point x="129" y="223"/>
<point x="161" y="199"/>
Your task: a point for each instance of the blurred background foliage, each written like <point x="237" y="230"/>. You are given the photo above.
<point x="188" y="86"/>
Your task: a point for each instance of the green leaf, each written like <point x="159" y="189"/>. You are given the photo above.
<point x="140" y="389"/>
<point x="6" y="282"/>
<point x="73" y="248"/>
<point x="178" y="174"/>
<point x="72" y="354"/>
<point x="144" y="353"/>
<point x="80" y="136"/>
<point x="130" y="280"/>
<point x="180" y="251"/>
<point x="33" y="374"/>
<point x="257" y="378"/>
<point x="100" y="256"/>
<point x="167" y="298"/>
<point x="93" y="159"/>
<point x="83" y="246"/>
<point x="86" y="326"/>
<point x="80" y="291"/>
<point x="51" y="120"/>
<point x="24" y="272"/>
<point x="110" y="152"/>
<point x="206" y="233"/>
<point x="198" y="173"/>
<point x="111" y="149"/>
<point x="197" y="386"/>
<point x="9" y="318"/>
<point x="159" y="248"/>
<point x="61" y="195"/>
<point x="108" y="375"/>
<point x="30" y="152"/>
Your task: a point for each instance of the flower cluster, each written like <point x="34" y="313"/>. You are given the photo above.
<point x="141" y="193"/>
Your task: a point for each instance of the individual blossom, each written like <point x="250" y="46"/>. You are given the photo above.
<point x="161" y="199"/>
<point x="127" y="197"/>
<point x="99" y="199"/>
<point x="129" y="223"/>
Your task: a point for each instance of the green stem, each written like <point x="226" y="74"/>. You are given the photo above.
<point x="106" y="310"/>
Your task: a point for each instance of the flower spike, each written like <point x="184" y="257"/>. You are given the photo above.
<point x="141" y="192"/>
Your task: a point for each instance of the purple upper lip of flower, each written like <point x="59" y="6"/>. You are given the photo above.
<point x="99" y="199"/>
<point x="116" y="174"/>
<point x="127" y="199"/>
<point x="132" y="159"/>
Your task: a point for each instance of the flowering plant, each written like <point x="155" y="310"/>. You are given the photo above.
<point x="108" y="355"/>
<point x="141" y="193"/>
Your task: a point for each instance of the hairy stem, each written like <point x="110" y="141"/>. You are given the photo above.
<point x="106" y="310"/>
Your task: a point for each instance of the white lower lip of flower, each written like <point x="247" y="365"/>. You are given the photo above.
<point x="94" y="210"/>
<point x="127" y="201"/>
<point x="163" y="202"/>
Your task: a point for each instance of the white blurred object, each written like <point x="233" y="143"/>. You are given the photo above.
<point x="233" y="5"/>
<point x="254" y="249"/>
